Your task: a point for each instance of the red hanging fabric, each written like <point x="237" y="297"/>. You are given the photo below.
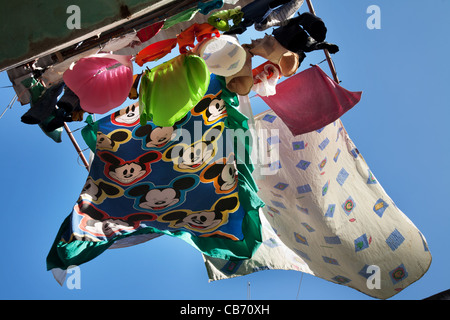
<point x="310" y="100"/>
<point x="185" y="40"/>
<point x="149" y="32"/>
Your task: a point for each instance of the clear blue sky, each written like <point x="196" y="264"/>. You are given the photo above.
<point x="400" y="127"/>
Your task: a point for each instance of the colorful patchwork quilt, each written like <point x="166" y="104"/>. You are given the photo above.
<point x="183" y="181"/>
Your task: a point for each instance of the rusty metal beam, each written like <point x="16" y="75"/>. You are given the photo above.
<point x="77" y="147"/>
<point x="327" y="54"/>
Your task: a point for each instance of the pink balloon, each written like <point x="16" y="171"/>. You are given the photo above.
<point x="102" y="82"/>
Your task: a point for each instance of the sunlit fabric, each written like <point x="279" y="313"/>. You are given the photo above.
<point x="149" y="32"/>
<point x="183" y="181"/>
<point x="265" y="79"/>
<point x="185" y="41"/>
<point x="170" y="90"/>
<point x="220" y="19"/>
<point x="223" y="55"/>
<point x="325" y="205"/>
<point x="102" y="82"/>
<point x="310" y="100"/>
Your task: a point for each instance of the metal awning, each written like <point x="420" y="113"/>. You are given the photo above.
<point x="38" y="29"/>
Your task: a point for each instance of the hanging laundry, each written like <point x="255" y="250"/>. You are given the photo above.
<point x="69" y="101"/>
<point x="186" y="15"/>
<point x="42" y="107"/>
<point x="149" y="32"/>
<point x="256" y="11"/>
<point x="202" y="7"/>
<point x="134" y="94"/>
<point x="223" y="55"/>
<point x="169" y="91"/>
<point x="54" y="73"/>
<point x="102" y="82"/>
<point x="50" y="113"/>
<point x="265" y="79"/>
<point x="279" y="16"/>
<point x="242" y="81"/>
<point x="273" y="254"/>
<point x="155" y="51"/>
<point x="34" y="87"/>
<point x="312" y="24"/>
<point x="69" y="109"/>
<point x="206" y="7"/>
<point x="293" y="37"/>
<point x="326" y="206"/>
<point x="89" y="132"/>
<point x="57" y="120"/>
<point x="174" y="30"/>
<point x="121" y="42"/>
<point x="185" y="40"/>
<point x="262" y="69"/>
<point x="220" y="19"/>
<point x="147" y="179"/>
<point x="54" y="134"/>
<point x="310" y="100"/>
<point x="268" y="48"/>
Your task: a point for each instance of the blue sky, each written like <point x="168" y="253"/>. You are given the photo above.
<point x="400" y="127"/>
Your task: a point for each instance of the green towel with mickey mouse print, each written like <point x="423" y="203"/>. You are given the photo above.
<point x="183" y="181"/>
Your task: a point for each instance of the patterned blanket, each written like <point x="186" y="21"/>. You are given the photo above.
<point x="183" y="181"/>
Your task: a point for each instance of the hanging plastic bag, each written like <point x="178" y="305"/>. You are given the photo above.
<point x="268" y="79"/>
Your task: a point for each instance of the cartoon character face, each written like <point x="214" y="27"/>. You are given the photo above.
<point x="223" y="174"/>
<point x="159" y="198"/>
<point x="211" y="107"/>
<point x="128" y="116"/>
<point x="158" y="137"/>
<point x="203" y="221"/>
<point x="193" y="157"/>
<point x="113" y="140"/>
<point x="97" y="191"/>
<point x="128" y="172"/>
<point x="227" y="177"/>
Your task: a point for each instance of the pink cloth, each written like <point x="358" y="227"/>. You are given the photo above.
<point x="102" y="82"/>
<point x="310" y="100"/>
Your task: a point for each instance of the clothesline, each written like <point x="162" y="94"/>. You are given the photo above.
<point x="10" y="104"/>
